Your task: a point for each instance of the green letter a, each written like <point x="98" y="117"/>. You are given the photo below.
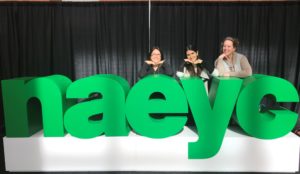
<point x="112" y="91"/>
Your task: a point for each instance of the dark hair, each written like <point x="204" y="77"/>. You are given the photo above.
<point x="156" y="48"/>
<point x="189" y="66"/>
<point x="235" y="41"/>
<point x="191" y="47"/>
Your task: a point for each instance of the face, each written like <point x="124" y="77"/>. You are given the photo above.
<point x="155" y="56"/>
<point x="228" y="47"/>
<point x="192" y="55"/>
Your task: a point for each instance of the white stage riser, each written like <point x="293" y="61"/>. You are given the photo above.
<point x="238" y="153"/>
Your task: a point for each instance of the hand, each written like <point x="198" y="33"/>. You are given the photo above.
<point x="198" y="61"/>
<point x="149" y="62"/>
<point x="226" y="74"/>
<point x="161" y="62"/>
<point x="187" y="60"/>
<point x="222" y="56"/>
<point x="179" y="74"/>
<point x="215" y="72"/>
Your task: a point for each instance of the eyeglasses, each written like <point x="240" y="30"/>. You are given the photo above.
<point x="155" y="54"/>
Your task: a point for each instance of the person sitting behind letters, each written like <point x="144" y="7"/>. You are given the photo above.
<point x="155" y="64"/>
<point x="193" y="66"/>
<point x="230" y="63"/>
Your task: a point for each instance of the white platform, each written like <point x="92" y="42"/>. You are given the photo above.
<point x="136" y="153"/>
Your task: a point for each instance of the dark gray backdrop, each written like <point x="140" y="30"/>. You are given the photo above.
<point x="82" y="39"/>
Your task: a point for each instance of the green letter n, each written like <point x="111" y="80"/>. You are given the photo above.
<point x="25" y="98"/>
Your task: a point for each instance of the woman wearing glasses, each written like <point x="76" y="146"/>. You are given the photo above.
<point x="155" y="64"/>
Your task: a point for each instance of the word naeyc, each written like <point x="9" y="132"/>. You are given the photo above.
<point x="155" y="107"/>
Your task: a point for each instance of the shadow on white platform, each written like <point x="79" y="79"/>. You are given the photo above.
<point x="238" y="153"/>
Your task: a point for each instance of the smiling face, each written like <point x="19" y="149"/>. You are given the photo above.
<point x="155" y="56"/>
<point x="228" y="47"/>
<point x="192" y="55"/>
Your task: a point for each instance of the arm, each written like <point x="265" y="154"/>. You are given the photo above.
<point x="180" y="71"/>
<point x="181" y="67"/>
<point x="220" y="67"/>
<point x="167" y="70"/>
<point x="144" y="71"/>
<point x="246" y="69"/>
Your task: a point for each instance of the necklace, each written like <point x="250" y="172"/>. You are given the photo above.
<point x="230" y="64"/>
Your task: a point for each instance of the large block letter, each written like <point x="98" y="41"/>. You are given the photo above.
<point x="169" y="103"/>
<point x="29" y="102"/>
<point x="211" y="116"/>
<point x="272" y="123"/>
<point x="110" y="104"/>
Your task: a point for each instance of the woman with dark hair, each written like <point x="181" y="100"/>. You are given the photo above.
<point x="193" y="66"/>
<point x="155" y="64"/>
<point x="231" y="63"/>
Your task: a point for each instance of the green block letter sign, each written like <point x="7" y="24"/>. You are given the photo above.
<point x="172" y="101"/>
<point x="21" y="106"/>
<point x="272" y="123"/>
<point x="113" y="90"/>
<point x="211" y="116"/>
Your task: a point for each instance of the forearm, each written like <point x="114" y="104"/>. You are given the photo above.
<point x="240" y="74"/>
<point x="168" y="69"/>
<point x="246" y="69"/>
<point x="144" y="71"/>
<point x="220" y="68"/>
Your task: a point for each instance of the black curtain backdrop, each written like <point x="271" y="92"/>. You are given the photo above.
<point x="82" y="39"/>
<point x="269" y="34"/>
